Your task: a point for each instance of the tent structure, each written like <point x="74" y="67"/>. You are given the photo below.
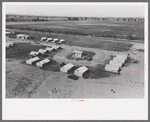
<point x="55" y="40"/>
<point x="48" y="49"/>
<point x="66" y="67"/>
<point x="33" y="53"/>
<point x="43" y="39"/>
<point x="116" y="63"/>
<point x="80" y="71"/>
<point x="32" y="60"/>
<point x="41" y="51"/>
<point x="22" y="36"/>
<point x="55" y="47"/>
<point x="41" y="63"/>
<point x="112" y="68"/>
<point x="61" y="41"/>
<point x="49" y="39"/>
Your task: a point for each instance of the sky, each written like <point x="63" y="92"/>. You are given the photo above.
<point x="77" y="10"/>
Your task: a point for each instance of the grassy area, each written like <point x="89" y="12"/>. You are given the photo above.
<point x="108" y="60"/>
<point x="22" y="84"/>
<point x="131" y="61"/>
<point x="97" y="72"/>
<point x="53" y="66"/>
<point x="21" y="51"/>
<point x="112" y="29"/>
<point x="83" y="42"/>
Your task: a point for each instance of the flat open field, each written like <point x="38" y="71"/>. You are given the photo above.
<point x="112" y="29"/>
<point x="100" y="42"/>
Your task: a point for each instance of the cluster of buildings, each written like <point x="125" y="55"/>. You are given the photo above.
<point x="78" y="72"/>
<point x="117" y="63"/>
<point x="52" y="40"/>
<point x="22" y="36"/>
<point x="43" y="51"/>
<point x="35" y="60"/>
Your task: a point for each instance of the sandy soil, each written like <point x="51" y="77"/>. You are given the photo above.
<point x="48" y="84"/>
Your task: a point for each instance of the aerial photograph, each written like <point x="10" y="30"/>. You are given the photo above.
<point x="66" y="51"/>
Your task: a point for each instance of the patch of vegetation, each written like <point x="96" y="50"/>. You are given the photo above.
<point x="70" y="56"/>
<point x="21" y="51"/>
<point x="62" y="64"/>
<point x="53" y="66"/>
<point x="22" y="84"/>
<point x="131" y="61"/>
<point x="97" y="72"/>
<point x="140" y="50"/>
<point x="71" y="71"/>
<point x="117" y="29"/>
<point x="109" y="59"/>
<point x="74" y="77"/>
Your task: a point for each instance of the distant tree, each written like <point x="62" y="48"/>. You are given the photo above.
<point x="124" y="19"/>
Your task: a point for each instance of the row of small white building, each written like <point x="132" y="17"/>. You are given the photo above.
<point x="38" y="62"/>
<point x="78" y="72"/>
<point x="117" y="63"/>
<point x="43" y="51"/>
<point x="52" y="40"/>
<point x="25" y="36"/>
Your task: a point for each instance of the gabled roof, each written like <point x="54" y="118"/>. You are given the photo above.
<point x="115" y="67"/>
<point x="62" y="40"/>
<point x="119" y="58"/>
<point x="77" y="51"/>
<point x="55" y="46"/>
<point x="44" y="61"/>
<point x="33" y="52"/>
<point x="49" y="38"/>
<point x="48" y="48"/>
<point x="68" y="66"/>
<point x="22" y="35"/>
<point x="33" y="59"/>
<point x="81" y="69"/>
<point x="41" y="50"/>
<point x="43" y="38"/>
<point x="115" y="63"/>
<point x="55" y="39"/>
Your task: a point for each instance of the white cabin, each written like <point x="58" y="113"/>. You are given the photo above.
<point x="43" y="39"/>
<point x="30" y="61"/>
<point x="66" y="67"/>
<point x="22" y="36"/>
<point x="41" y="63"/>
<point x="80" y="71"/>
<point x="77" y="53"/>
